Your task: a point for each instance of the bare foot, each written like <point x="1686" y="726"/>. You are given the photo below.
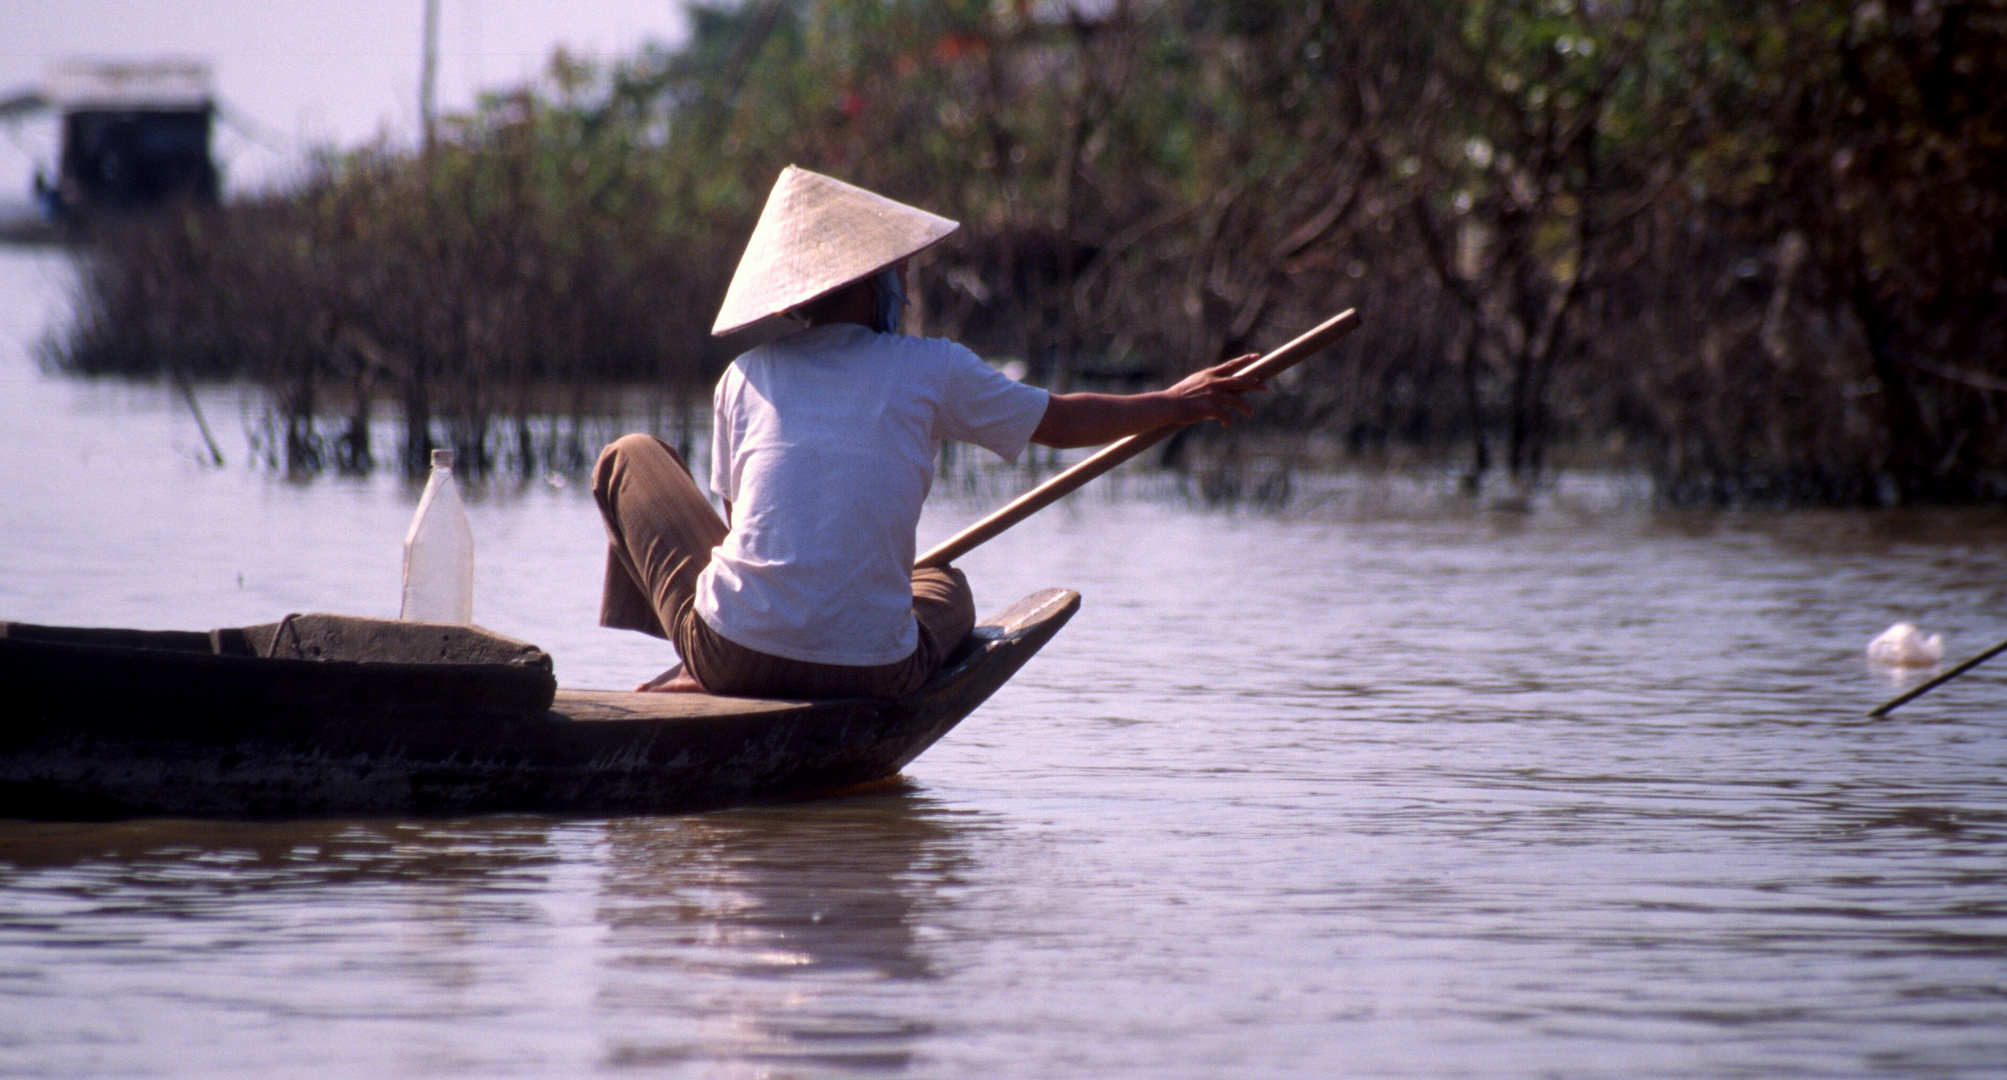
<point x="674" y="681"/>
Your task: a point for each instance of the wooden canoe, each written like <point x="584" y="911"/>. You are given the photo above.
<point x="339" y="715"/>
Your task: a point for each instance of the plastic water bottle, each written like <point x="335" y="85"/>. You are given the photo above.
<point x="439" y="552"/>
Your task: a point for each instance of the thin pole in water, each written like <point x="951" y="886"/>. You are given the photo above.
<point x="188" y="395"/>
<point x="428" y="79"/>
<point x="1903" y="699"/>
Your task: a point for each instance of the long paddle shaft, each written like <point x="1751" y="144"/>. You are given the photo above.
<point x="1115" y="453"/>
<point x="1899" y="701"/>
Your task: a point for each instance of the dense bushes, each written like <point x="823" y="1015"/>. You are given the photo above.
<point x="1758" y="248"/>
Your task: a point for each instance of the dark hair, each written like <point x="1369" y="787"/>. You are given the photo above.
<point x="826" y="305"/>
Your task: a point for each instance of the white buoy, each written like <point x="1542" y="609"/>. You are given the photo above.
<point x="1903" y="645"/>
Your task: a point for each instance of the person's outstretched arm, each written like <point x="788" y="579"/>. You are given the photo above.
<point x="1094" y="419"/>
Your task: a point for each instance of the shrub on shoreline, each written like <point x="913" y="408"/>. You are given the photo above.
<point x="1757" y="250"/>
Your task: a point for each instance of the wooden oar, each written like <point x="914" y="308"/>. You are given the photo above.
<point x="1900" y="700"/>
<point x="1115" y="453"/>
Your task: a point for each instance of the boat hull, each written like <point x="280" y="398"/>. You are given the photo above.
<point x="449" y="742"/>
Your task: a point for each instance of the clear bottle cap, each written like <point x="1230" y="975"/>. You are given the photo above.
<point x="442" y="459"/>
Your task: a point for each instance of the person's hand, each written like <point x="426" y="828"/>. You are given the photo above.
<point x="1215" y="393"/>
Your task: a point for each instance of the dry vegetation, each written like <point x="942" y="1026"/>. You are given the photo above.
<point x="1758" y="249"/>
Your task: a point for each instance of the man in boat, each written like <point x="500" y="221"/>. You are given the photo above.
<point x="823" y="445"/>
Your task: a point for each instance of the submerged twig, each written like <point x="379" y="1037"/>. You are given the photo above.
<point x="195" y="410"/>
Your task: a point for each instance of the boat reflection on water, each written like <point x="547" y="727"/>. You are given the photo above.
<point x="207" y="858"/>
<point x="365" y="921"/>
<point x="781" y="934"/>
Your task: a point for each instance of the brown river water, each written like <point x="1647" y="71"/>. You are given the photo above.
<point x="1377" y="784"/>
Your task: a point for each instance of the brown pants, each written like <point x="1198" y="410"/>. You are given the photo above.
<point x="660" y="532"/>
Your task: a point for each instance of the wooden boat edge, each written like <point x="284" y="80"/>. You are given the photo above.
<point x="552" y="763"/>
<point x="1042" y="613"/>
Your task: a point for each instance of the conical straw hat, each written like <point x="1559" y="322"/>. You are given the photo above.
<point x="816" y="234"/>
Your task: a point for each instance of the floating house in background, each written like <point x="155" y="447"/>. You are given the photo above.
<point x="134" y="135"/>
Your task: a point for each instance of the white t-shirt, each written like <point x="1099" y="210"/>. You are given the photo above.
<point x="824" y="442"/>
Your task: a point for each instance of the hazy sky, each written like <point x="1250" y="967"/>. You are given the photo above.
<point x="297" y="73"/>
